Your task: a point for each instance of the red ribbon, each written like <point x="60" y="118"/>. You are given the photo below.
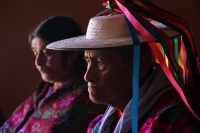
<point x="156" y="52"/>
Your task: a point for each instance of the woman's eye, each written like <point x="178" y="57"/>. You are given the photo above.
<point x="46" y="53"/>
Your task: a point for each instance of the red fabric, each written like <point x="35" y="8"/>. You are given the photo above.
<point x="167" y="115"/>
<point x="170" y="115"/>
<point x="68" y="109"/>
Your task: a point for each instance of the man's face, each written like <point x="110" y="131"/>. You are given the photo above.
<point x="109" y="79"/>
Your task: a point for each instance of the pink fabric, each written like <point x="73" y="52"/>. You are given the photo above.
<point x="156" y="123"/>
<point x="68" y="109"/>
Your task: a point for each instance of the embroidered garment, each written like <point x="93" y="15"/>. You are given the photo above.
<point x="67" y="109"/>
<point x="169" y="115"/>
<point x="160" y="109"/>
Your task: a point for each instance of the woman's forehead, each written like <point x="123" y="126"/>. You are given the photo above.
<point x="37" y="43"/>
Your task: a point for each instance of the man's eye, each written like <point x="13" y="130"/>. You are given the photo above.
<point x="87" y="61"/>
<point x="99" y="61"/>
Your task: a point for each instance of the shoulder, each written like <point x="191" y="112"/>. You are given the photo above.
<point x="95" y="124"/>
<point x="171" y="114"/>
<point x="176" y="118"/>
<point x="167" y="100"/>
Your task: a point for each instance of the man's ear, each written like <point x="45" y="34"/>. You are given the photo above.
<point x="145" y="64"/>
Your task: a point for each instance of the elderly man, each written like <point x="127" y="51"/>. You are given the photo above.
<point x="109" y="55"/>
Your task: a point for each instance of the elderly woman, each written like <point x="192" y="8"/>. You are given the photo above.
<point x="109" y="55"/>
<point x="61" y="102"/>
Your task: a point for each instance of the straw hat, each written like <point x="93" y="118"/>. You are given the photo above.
<point x="105" y="32"/>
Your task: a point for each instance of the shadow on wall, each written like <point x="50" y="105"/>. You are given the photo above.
<point x="189" y="11"/>
<point x="2" y="119"/>
<point x="18" y="76"/>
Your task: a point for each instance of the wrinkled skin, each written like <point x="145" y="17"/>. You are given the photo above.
<point x="109" y="79"/>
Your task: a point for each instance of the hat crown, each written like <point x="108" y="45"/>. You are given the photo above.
<point x="106" y="32"/>
<point x="107" y="27"/>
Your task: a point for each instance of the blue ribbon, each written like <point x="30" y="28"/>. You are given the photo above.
<point x="135" y="80"/>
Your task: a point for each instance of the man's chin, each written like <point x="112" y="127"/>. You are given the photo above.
<point x="95" y="100"/>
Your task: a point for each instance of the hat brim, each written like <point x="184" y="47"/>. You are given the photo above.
<point x="82" y="43"/>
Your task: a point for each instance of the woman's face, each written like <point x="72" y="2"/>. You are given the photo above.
<point x="49" y="63"/>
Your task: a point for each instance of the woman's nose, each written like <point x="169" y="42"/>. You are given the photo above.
<point x="39" y="59"/>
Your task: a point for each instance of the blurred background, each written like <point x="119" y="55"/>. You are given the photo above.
<point x="18" y="75"/>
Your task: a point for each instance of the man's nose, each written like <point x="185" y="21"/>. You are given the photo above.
<point x="91" y="74"/>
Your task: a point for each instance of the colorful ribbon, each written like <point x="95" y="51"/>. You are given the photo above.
<point x="177" y="56"/>
<point x="136" y="70"/>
